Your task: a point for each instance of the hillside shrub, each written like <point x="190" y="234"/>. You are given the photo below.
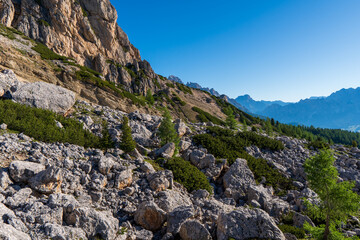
<point x="298" y="232"/>
<point x="224" y="143"/>
<point x="188" y="175"/>
<point x="41" y="125"/>
<point x="184" y="88"/>
<point x="46" y="53"/>
<point x="207" y="117"/>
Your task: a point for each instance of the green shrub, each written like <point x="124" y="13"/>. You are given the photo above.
<point x="184" y="88"/>
<point x="298" y="232"/>
<point x="207" y="117"/>
<point x="178" y="100"/>
<point x="40" y="124"/>
<point x="318" y="144"/>
<point x="224" y="143"/>
<point x="188" y="175"/>
<point x="46" y="53"/>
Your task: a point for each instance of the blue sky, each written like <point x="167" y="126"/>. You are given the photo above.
<point x="270" y="49"/>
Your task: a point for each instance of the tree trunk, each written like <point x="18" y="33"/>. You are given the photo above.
<point x="327" y="228"/>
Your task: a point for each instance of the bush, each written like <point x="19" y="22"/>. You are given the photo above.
<point x="207" y="117"/>
<point x="188" y="175"/>
<point x="184" y="88"/>
<point x="298" y="232"/>
<point x="46" y="53"/>
<point x="224" y="143"/>
<point x="41" y="125"/>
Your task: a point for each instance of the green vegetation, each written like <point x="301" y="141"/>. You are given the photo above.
<point x="41" y="125"/>
<point x="127" y="142"/>
<point x="298" y="232"/>
<point x="184" y="88"/>
<point x="170" y="85"/>
<point x="46" y="53"/>
<point x="7" y="32"/>
<point x="106" y="141"/>
<point x="156" y="82"/>
<point x="207" y="117"/>
<point x="178" y="100"/>
<point x="188" y="175"/>
<point x="224" y="143"/>
<point x="42" y="22"/>
<point x="167" y="132"/>
<point x="337" y="200"/>
<point x="230" y="119"/>
<point x="149" y="97"/>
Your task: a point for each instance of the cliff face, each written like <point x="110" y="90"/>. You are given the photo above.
<point x="85" y="30"/>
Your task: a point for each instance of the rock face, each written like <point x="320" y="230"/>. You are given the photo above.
<point x="247" y="223"/>
<point x="238" y="179"/>
<point x="7" y="12"/>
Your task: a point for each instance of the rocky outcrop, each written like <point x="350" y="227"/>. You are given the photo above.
<point x="150" y="216"/>
<point x="238" y="179"/>
<point x="194" y="230"/>
<point x="39" y="94"/>
<point x="7" y="12"/>
<point x="247" y="223"/>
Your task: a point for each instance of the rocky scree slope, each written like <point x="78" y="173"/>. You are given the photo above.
<point x="65" y="191"/>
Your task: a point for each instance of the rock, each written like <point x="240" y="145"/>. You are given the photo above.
<point x="8" y="80"/>
<point x="170" y="199"/>
<point x="238" y="178"/>
<point x="19" y="198"/>
<point x="58" y="124"/>
<point x="184" y="145"/>
<point x="7" y="12"/>
<point x="8" y="232"/>
<point x="22" y="171"/>
<point x="123" y="179"/>
<point x="8" y="217"/>
<point x="245" y="223"/>
<point x="105" y="164"/>
<point x="46" y="96"/>
<point x="150" y="216"/>
<point x="181" y="128"/>
<point x="300" y="219"/>
<point x="166" y="151"/>
<point x="47" y="181"/>
<point x="194" y="230"/>
<point x="94" y="223"/>
<point x="147" y="167"/>
<point x="55" y="231"/>
<point x="290" y="236"/>
<point x="4" y="180"/>
<point x="161" y="180"/>
<point x="177" y="217"/>
<point x="3" y="126"/>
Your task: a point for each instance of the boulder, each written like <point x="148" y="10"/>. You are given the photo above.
<point x="177" y="217"/>
<point x="150" y="216"/>
<point x="8" y="232"/>
<point x="300" y="220"/>
<point x="170" y="199"/>
<point x="194" y="230"/>
<point x="123" y="179"/>
<point x="44" y="95"/>
<point x="5" y="180"/>
<point x="238" y="179"/>
<point x="22" y="171"/>
<point x="95" y="223"/>
<point x="181" y="128"/>
<point x="19" y="198"/>
<point x="147" y="167"/>
<point x="245" y="223"/>
<point x="161" y="180"/>
<point x="55" y="231"/>
<point x="166" y="151"/>
<point x="3" y="126"/>
<point x="105" y="164"/>
<point x="47" y="181"/>
<point x="184" y="145"/>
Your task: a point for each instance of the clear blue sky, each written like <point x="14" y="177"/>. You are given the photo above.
<point x="270" y="49"/>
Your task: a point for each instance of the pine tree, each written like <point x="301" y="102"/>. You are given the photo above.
<point x="230" y="120"/>
<point x="354" y="143"/>
<point x="150" y="97"/>
<point x="127" y="142"/>
<point x="337" y="198"/>
<point x="244" y="126"/>
<point x="167" y="132"/>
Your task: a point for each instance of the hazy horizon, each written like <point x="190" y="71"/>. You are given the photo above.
<point x="273" y="50"/>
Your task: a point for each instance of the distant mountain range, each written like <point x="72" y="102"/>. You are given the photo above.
<point x="340" y="110"/>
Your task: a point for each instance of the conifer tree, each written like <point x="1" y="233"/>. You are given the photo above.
<point x="150" y="97"/>
<point x="337" y="200"/>
<point x="167" y="132"/>
<point x="230" y="120"/>
<point x="244" y="126"/>
<point x="127" y="142"/>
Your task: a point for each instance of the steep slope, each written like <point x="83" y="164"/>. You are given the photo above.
<point x="339" y="110"/>
<point x="256" y="106"/>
